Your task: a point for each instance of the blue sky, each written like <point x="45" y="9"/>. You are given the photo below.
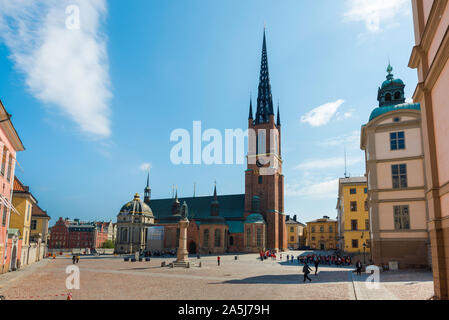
<point x="95" y="106"/>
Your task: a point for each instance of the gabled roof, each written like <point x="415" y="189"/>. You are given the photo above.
<point x="9" y="129"/>
<point x="36" y="211"/>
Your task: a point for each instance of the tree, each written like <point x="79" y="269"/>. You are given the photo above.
<point x="108" y="244"/>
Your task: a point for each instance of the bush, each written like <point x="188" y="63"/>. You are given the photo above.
<point x="108" y="244"/>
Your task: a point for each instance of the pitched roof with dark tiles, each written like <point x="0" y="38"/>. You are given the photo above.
<point x="38" y="212"/>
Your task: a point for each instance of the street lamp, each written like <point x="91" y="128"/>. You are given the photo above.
<point x="364" y="256"/>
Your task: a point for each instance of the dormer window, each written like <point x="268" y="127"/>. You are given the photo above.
<point x="397" y="95"/>
<point x="388" y="97"/>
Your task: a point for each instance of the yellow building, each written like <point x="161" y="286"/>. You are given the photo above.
<point x="353" y="215"/>
<point x="23" y="201"/>
<point x="39" y="224"/>
<point x="295" y="232"/>
<point x="322" y="234"/>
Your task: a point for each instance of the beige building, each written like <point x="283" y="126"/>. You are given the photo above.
<point x="295" y="233"/>
<point x="430" y="58"/>
<point x="392" y="142"/>
<point x="133" y="221"/>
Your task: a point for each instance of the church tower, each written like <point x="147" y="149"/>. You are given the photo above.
<point x="147" y="191"/>
<point x="264" y="181"/>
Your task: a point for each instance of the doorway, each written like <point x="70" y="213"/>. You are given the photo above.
<point x="192" y="247"/>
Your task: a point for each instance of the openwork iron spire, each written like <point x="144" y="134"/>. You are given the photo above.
<point x="264" y="99"/>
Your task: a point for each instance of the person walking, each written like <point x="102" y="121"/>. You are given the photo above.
<point x="73" y="259"/>
<point x="358" y="266"/>
<point x="218" y="260"/>
<point x="317" y="263"/>
<point x="306" y="270"/>
<point x="77" y="259"/>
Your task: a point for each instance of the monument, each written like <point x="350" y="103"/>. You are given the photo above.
<point x="182" y="259"/>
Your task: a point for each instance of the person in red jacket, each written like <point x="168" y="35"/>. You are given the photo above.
<point x="218" y="260"/>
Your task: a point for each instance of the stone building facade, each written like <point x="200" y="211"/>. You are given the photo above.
<point x="392" y="141"/>
<point x="322" y="234"/>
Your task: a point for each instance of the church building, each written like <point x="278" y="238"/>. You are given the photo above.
<point x="248" y="222"/>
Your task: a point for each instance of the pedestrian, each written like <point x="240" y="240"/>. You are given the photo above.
<point x="306" y="270"/>
<point x="358" y="265"/>
<point x="317" y="262"/>
<point x="218" y="260"/>
<point x="288" y="257"/>
<point x="73" y="259"/>
<point x="69" y="296"/>
<point x="77" y="259"/>
<point x="280" y="256"/>
<point x="297" y="258"/>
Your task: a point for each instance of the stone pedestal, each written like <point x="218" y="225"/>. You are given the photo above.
<point x="183" y="254"/>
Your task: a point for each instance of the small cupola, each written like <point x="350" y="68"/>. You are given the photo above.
<point x="392" y="90"/>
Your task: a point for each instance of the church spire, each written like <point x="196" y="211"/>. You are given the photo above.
<point x="147" y="191"/>
<point x="264" y="99"/>
<point x="215" y="207"/>
<point x="278" y="121"/>
<point x="250" y="108"/>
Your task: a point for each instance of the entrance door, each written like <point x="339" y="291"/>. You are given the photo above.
<point x="322" y="246"/>
<point x="192" y="247"/>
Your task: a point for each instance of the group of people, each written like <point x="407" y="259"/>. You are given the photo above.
<point x="75" y="259"/>
<point x="268" y="254"/>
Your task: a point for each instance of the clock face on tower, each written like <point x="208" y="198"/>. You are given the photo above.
<point x="259" y="164"/>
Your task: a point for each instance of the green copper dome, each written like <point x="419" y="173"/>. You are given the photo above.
<point x="382" y="110"/>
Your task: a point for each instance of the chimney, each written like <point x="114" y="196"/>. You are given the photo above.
<point x="287" y="218"/>
<point x="294" y="217"/>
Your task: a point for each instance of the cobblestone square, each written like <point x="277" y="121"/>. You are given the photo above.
<point x="248" y="278"/>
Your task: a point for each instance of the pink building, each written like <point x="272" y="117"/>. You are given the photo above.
<point x="10" y="143"/>
<point x="430" y="57"/>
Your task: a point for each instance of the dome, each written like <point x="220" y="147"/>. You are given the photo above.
<point x="382" y="110"/>
<point x="136" y="206"/>
<point x="397" y="82"/>
<point x="255" y="218"/>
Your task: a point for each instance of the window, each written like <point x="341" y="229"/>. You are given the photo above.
<point x="353" y="225"/>
<point x="5" y="151"/>
<point x="353" y="191"/>
<point x="206" y="238"/>
<point x="399" y="174"/>
<point x="401" y="218"/>
<point x="124" y="237"/>
<point x="365" y="190"/>
<point x="313" y="229"/>
<point x="259" y="237"/>
<point x="366" y="205"/>
<point x="217" y="238"/>
<point x="388" y="97"/>
<point x="397" y="140"/>
<point x="292" y="239"/>
<point x="260" y="179"/>
<point x="366" y="224"/>
<point x="355" y="243"/>
<point x="292" y="229"/>
<point x="8" y="175"/>
<point x="353" y="206"/>
<point x="321" y="229"/>
<point x="397" y="95"/>
<point x="331" y="229"/>
<point x="313" y="238"/>
<point x="4" y="215"/>
<point x="397" y="119"/>
<point x="248" y="237"/>
<point x="33" y="224"/>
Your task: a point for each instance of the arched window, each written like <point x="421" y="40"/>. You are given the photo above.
<point x="397" y="95"/>
<point x="124" y="237"/>
<point x="217" y="238"/>
<point x="231" y="241"/>
<point x="248" y="237"/>
<point x="388" y="97"/>
<point x="206" y="238"/>
<point x="259" y="237"/>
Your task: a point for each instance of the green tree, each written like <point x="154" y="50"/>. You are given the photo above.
<point x="108" y="244"/>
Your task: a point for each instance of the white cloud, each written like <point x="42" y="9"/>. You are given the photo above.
<point x="67" y="69"/>
<point x="321" y="115"/>
<point x="145" y="166"/>
<point x="374" y="12"/>
<point x="349" y="139"/>
<point x="315" y="164"/>
<point x="322" y="190"/>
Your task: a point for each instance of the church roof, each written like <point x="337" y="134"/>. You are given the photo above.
<point x="231" y="206"/>
<point x="136" y="206"/>
<point x="255" y="218"/>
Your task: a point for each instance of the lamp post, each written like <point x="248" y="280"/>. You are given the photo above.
<point x="364" y="256"/>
